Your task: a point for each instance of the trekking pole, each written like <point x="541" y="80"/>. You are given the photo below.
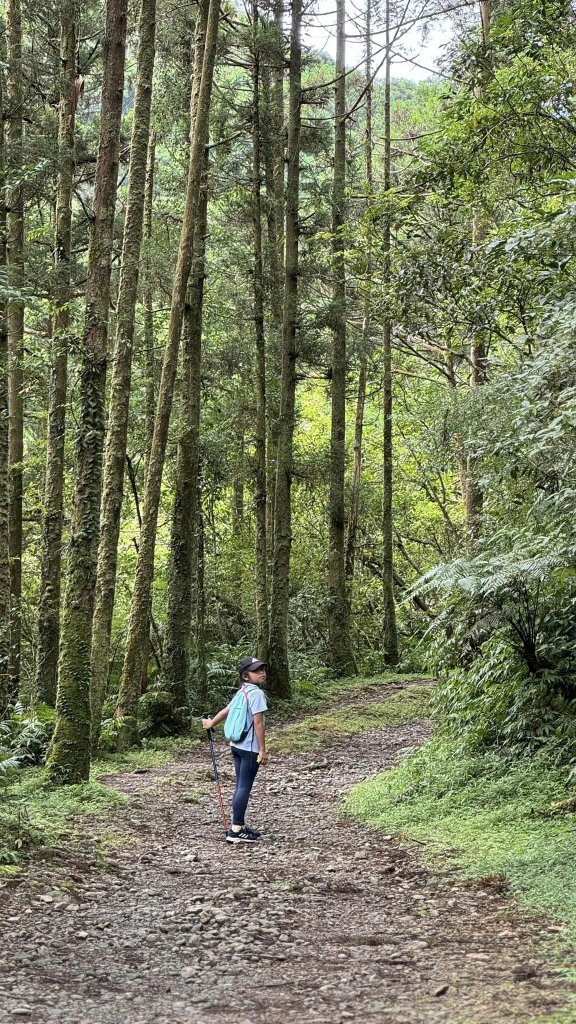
<point x="216" y="777"/>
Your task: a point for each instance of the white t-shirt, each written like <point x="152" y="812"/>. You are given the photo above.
<point x="256" y="703"/>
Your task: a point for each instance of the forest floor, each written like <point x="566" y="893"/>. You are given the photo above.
<point x="322" y="920"/>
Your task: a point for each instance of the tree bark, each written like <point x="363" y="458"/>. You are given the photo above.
<point x="340" y="651"/>
<point x="15" y="251"/>
<point x="132" y="669"/>
<point x="179" y="618"/>
<point x="200" y="624"/>
<point x="4" y="463"/>
<point x="51" y="558"/>
<point x="354" y="512"/>
<point x="149" y="354"/>
<point x="150" y="361"/>
<point x="390" y="635"/>
<point x="69" y="758"/>
<point x="273" y="153"/>
<point x="260" y="496"/>
<point x="279" y="672"/>
<point x="184" y="514"/>
<point x="117" y="435"/>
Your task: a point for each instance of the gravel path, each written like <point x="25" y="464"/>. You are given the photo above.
<point x="322" y="921"/>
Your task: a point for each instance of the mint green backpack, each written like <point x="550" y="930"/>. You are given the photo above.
<point x="236" y="726"/>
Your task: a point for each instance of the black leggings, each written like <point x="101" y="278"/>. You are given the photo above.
<point x="246" y="766"/>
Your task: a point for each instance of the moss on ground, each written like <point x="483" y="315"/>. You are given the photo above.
<point x="32" y="813"/>
<point x="35" y="814"/>
<point x="316" y="694"/>
<point x="486" y="816"/>
<point x="156" y="752"/>
<point x="317" y="731"/>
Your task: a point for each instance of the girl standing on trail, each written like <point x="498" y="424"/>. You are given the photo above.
<point x="250" y="752"/>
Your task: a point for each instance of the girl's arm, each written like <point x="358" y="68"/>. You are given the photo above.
<point x="260" y="731"/>
<point x="209" y="723"/>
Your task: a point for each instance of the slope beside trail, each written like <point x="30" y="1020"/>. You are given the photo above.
<point x="322" y="920"/>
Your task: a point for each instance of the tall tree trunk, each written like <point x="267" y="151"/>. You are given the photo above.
<point x="69" y="758"/>
<point x="15" y="249"/>
<point x="117" y="434"/>
<point x="279" y="672"/>
<point x="273" y="153"/>
<point x="200" y="617"/>
<point x="260" y="497"/>
<point x="473" y="497"/>
<point x="184" y="514"/>
<point x="149" y="355"/>
<point x="177" y="660"/>
<point x="132" y="668"/>
<point x="4" y="463"/>
<point x="51" y="559"/>
<point x="354" y="513"/>
<point x="390" y="635"/>
<point x="150" y="362"/>
<point x="340" y="653"/>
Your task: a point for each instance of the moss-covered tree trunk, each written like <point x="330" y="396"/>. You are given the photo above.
<point x="340" y="654"/>
<point x="150" y="361"/>
<point x="260" y="487"/>
<point x="354" y="510"/>
<point x="69" y="757"/>
<point x="15" y="251"/>
<point x="389" y="630"/>
<point x="279" y="672"/>
<point x="201" y="687"/>
<point x="117" y="434"/>
<point x="149" y="334"/>
<point x="4" y="463"/>
<point x="129" y="694"/>
<point x="184" y="514"/>
<point x="273" y="150"/>
<point x="179" y="617"/>
<point x="51" y="556"/>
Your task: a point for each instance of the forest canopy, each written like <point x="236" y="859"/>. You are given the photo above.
<point x="286" y="365"/>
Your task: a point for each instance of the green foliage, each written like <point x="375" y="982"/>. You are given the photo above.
<point x="485" y="815"/>
<point x="33" y="814"/>
<point x="24" y="737"/>
<point x="506" y="637"/>
<point x="317" y="731"/>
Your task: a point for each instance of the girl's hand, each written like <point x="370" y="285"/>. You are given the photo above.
<point x="207" y="723"/>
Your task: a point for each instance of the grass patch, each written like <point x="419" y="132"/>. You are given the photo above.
<point x="317" y="731"/>
<point x="316" y="694"/>
<point x="482" y="814"/>
<point x="33" y="814"/>
<point x="155" y="752"/>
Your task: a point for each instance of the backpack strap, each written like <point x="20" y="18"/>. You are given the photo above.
<point x="248" y="708"/>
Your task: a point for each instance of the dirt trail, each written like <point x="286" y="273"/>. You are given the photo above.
<point x="322" y="921"/>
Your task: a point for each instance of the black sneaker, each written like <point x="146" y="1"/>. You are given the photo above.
<point x="245" y="836"/>
<point x="253" y="832"/>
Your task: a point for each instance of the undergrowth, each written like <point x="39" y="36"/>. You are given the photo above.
<point x="33" y="814"/>
<point x="485" y="815"/>
<point x="320" y="730"/>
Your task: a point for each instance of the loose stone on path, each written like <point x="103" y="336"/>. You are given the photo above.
<point x="319" y="921"/>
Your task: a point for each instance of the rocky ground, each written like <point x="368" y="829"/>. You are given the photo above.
<point x="321" y="921"/>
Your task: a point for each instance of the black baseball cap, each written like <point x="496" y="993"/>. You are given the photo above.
<point x="250" y="665"/>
